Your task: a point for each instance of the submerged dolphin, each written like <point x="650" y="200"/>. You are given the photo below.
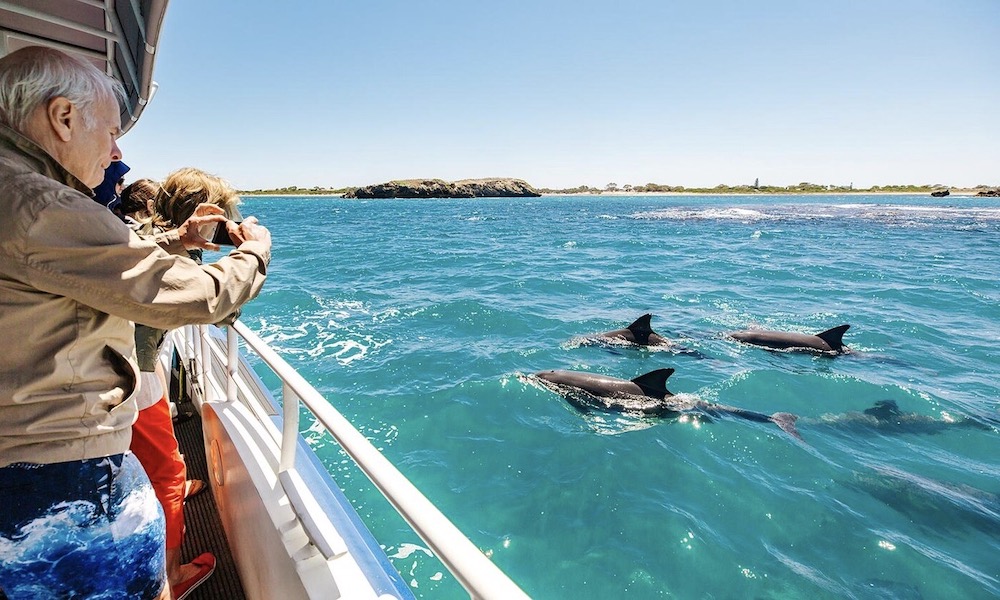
<point x="826" y="341"/>
<point x="640" y="332"/>
<point x="886" y="417"/>
<point x="646" y="395"/>
<point x="929" y="502"/>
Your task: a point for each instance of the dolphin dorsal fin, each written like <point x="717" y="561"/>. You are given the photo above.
<point x="641" y="329"/>
<point x="833" y="336"/>
<point x="883" y="410"/>
<point x="654" y="383"/>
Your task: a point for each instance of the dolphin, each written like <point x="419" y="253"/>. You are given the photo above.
<point x="646" y="396"/>
<point x="640" y="332"/>
<point x="929" y="502"/>
<point x="826" y="341"/>
<point x="885" y="417"/>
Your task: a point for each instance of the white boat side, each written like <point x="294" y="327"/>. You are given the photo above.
<point x="291" y="531"/>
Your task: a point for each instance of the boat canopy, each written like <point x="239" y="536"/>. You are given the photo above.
<point x="118" y="36"/>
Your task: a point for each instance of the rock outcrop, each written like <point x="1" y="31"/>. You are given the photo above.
<point x="436" y="188"/>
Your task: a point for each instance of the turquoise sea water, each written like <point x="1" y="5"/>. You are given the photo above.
<point x="417" y="320"/>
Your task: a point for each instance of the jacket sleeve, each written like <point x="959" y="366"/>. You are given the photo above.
<point x="80" y="250"/>
<point x="168" y="240"/>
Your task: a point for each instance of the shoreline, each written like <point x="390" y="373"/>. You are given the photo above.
<point x="964" y="193"/>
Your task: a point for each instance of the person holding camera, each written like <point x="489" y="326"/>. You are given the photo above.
<point x="161" y="208"/>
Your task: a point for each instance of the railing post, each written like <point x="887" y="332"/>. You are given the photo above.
<point x="317" y="525"/>
<point x="289" y="426"/>
<point x="232" y="362"/>
<point x="204" y="357"/>
<point x="192" y="347"/>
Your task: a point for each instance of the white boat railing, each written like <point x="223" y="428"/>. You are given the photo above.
<point x="480" y="577"/>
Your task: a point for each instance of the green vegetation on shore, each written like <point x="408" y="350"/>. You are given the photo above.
<point x="296" y="191"/>
<point x="801" y="188"/>
<point x="656" y="188"/>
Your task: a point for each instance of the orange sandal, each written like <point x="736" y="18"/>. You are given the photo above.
<point x="206" y="566"/>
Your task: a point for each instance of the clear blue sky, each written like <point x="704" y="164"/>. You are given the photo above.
<point x="570" y="92"/>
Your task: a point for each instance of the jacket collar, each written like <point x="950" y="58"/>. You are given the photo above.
<point x="15" y="146"/>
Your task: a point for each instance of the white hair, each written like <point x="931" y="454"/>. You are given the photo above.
<point x="32" y="76"/>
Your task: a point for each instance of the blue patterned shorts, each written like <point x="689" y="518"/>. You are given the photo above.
<point x="87" y="529"/>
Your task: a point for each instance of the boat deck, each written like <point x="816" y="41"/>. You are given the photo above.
<point x="203" y="528"/>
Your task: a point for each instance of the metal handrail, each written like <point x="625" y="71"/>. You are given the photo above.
<point x="480" y="577"/>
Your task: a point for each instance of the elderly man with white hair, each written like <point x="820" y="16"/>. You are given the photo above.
<point x="77" y="515"/>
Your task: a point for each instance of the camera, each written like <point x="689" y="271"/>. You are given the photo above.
<point x="217" y="233"/>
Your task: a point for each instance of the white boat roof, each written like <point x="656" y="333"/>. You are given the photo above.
<point x="119" y="36"/>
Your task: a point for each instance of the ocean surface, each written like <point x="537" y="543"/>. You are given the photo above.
<point x="422" y="321"/>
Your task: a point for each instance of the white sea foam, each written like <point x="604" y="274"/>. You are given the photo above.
<point x="891" y="214"/>
<point x="406" y="550"/>
<point x="692" y="214"/>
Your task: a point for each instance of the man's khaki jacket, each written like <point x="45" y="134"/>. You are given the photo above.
<point x="73" y="279"/>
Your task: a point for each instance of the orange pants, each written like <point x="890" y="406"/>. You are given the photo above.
<point x="154" y="444"/>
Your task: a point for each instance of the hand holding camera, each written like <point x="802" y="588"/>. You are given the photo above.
<point x="208" y="228"/>
<point x="234" y="233"/>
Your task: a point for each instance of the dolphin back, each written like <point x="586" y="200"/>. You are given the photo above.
<point x="833" y="337"/>
<point x="641" y="329"/>
<point x="654" y="383"/>
<point x="884" y="410"/>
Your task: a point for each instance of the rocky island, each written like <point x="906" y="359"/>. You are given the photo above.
<point x="437" y="188"/>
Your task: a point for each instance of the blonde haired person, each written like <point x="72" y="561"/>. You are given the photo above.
<point x="183" y="190"/>
<point x="153" y="440"/>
